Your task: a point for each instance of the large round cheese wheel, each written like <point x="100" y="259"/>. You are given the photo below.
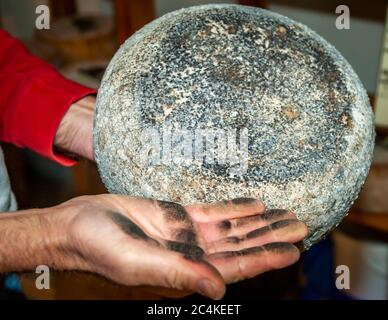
<point x="223" y="101"/>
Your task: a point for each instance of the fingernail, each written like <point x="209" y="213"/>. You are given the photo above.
<point x="207" y="288"/>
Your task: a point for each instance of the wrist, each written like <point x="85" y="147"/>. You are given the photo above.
<point x="65" y="246"/>
<point x="37" y="237"/>
<point x="75" y="132"/>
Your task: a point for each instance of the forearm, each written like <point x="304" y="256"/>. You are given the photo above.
<point x="34" y="237"/>
<point x="34" y="99"/>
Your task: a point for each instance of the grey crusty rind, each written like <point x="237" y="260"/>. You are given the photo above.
<point x="309" y="121"/>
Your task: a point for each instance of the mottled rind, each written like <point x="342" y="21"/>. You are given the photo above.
<point x="310" y="125"/>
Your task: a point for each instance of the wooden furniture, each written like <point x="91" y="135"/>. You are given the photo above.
<point x="59" y="9"/>
<point x="81" y="37"/>
<point x="131" y="16"/>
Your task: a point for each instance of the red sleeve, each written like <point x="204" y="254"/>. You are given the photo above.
<point x="33" y="99"/>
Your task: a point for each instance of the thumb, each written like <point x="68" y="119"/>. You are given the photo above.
<point x="202" y="278"/>
<point x="198" y="276"/>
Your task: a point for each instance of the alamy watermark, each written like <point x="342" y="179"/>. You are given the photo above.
<point x="342" y="281"/>
<point x="343" y="20"/>
<point x="171" y="146"/>
<point x="42" y="21"/>
<point x="43" y="280"/>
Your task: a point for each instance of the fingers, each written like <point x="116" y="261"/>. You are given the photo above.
<point x="239" y="227"/>
<point x="247" y="224"/>
<point x="214" y="219"/>
<point x="196" y="248"/>
<point x="239" y="265"/>
<point x="202" y="278"/>
<point x="289" y="230"/>
<point x="217" y="211"/>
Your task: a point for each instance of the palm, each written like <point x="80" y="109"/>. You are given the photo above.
<point x="164" y="244"/>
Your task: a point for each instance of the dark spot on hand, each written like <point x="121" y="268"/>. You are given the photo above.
<point x="282" y="224"/>
<point x="279" y="247"/>
<point x="239" y="201"/>
<point x="129" y="227"/>
<point x="273" y="214"/>
<point x="233" y="254"/>
<point x="253" y="250"/>
<point x="234" y="240"/>
<point x="300" y="246"/>
<point x="173" y="211"/>
<point x="248" y="220"/>
<point x="189" y="251"/>
<point x="225" y="255"/>
<point x="225" y="225"/>
<point x="186" y="235"/>
<point x="275" y="247"/>
<point x="258" y="232"/>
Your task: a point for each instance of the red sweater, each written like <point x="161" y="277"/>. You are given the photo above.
<point x="33" y="99"/>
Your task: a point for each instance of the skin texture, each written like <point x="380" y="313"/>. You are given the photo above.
<point x="145" y="242"/>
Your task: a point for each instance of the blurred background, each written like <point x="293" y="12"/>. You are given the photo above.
<point x="83" y="37"/>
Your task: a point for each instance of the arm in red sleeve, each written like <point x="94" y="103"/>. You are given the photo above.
<point x="33" y="99"/>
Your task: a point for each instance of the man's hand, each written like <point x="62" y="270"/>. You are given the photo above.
<point x="136" y="241"/>
<point x="75" y="132"/>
